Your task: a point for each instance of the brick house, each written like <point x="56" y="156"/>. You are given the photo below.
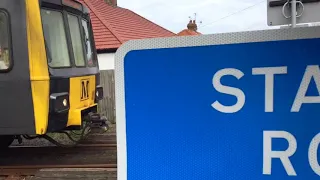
<point x="113" y="25"/>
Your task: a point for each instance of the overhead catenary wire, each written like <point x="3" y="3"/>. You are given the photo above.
<point x="241" y="10"/>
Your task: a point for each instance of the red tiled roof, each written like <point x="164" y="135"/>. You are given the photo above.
<point x="191" y="29"/>
<point x="113" y="26"/>
<point x="188" y="32"/>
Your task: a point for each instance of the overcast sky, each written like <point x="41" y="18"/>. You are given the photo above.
<point x="216" y="15"/>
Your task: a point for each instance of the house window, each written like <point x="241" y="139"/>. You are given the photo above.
<point x="5" y="58"/>
<point x="55" y="38"/>
<point x="76" y="40"/>
<point x="88" y="44"/>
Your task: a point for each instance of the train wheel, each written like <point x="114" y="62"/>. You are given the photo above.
<point x="5" y="141"/>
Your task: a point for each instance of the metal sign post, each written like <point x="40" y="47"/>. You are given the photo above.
<point x="220" y="107"/>
<point x="294" y="12"/>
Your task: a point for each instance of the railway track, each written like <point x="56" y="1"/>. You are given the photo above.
<point x="83" y="173"/>
<point x="95" y="157"/>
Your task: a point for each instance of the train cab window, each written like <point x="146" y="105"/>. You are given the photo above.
<point x="55" y="38"/>
<point x="4" y="42"/>
<point x="88" y="44"/>
<point x="76" y="40"/>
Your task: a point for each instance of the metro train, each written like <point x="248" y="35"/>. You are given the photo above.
<point x="49" y="73"/>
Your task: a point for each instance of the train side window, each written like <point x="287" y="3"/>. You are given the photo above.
<point x="88" y="44"/>
<point x="76" y="40"/>
<point x="5" y="58"/>
<point x="55" y="38"/>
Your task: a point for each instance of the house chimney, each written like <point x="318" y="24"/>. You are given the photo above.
<point x="111" y="2"/>
<point x="192" y="25"/>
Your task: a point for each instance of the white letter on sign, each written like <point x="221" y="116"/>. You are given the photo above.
<point x="228" y="90"/>
<point x="268" y="154"/>
<point x="269" y="73"/>
<point x="313" y="150"/>
<point x="311" y="72"/>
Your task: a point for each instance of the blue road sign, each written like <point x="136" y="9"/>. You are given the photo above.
<point x="242" y="106"/>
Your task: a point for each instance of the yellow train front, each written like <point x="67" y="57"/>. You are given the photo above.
<point x="49" y="74"/>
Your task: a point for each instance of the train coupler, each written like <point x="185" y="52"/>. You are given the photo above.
<point x="97" y="122"/>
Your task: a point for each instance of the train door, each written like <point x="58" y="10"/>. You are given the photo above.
<point x="16" y="107"/>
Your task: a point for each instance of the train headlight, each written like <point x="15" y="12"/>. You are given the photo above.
<point x="59" y="102"/>
<point x="99" y="93"/>
<point x="65" y="102"/>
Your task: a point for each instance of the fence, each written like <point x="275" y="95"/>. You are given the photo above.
<point x="107" y="106"/>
